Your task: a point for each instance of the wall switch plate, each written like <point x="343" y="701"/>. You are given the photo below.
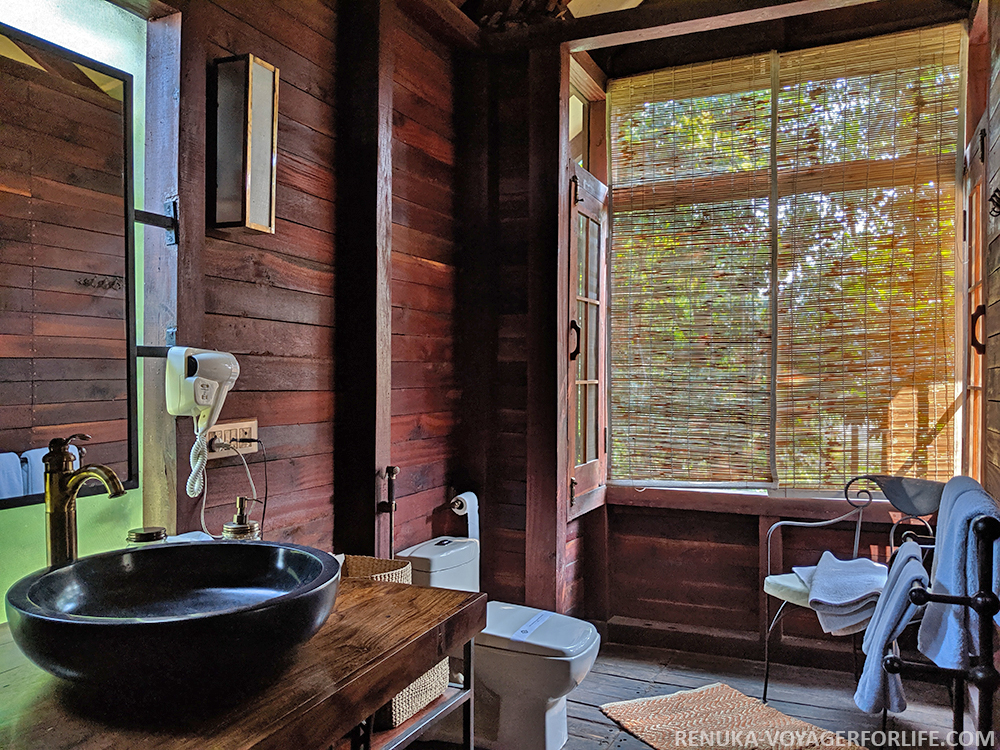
<point x="230" y="432"/>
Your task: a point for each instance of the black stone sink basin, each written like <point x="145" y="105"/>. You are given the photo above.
<point x="177" y="614"/>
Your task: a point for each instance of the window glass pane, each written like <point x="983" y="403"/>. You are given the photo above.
<point x="862" y="283"/>
<point x="866" y="333"/>
<point x="592" y="422"/>
<point x="581" y="420"/>
<point x="594" y="260"/>
<point x="581" y="254"/>
<point x="579" y="115"/>
<point x="592" y="331"/>
<point x="690" y="273"/>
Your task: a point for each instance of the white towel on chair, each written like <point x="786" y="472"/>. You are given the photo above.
<point x="847" y="622"/>
<point x="842" y="585"/>
<point x="11" y="475"/>
<point x="949" y="633"/>
<point x="843" y="593"/>
<point x="877" y="689"/>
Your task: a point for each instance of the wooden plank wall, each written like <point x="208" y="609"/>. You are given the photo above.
<point x="692" y="579"/>
<point x="574" y="566"/>
<point x="684" y="567"/>
<point x="504" y="506"/>
<point x="503" y="313"/>
<point x="267" y="298"/>
<point x="62" y="265"/>
<point x="424" y="391"/>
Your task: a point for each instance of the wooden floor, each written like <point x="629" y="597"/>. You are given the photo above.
<point x="819" y="696"/>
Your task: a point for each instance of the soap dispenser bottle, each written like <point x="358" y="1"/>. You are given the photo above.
<point x="241" y="528"/>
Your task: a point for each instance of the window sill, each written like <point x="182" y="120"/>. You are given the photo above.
<point x="743" y="503"/>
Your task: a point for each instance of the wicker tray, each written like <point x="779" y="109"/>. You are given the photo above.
<point x="425" y="688"/>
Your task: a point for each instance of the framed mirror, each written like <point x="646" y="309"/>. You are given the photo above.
<point x="67" y="257"/>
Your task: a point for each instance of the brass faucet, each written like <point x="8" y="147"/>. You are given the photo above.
<point x="61" y="487"/>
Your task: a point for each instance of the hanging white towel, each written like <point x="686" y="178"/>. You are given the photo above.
<point x="877" y="689"/>
<point x="11" y="475"/>
<point x="949" y="633"/>
<point x="954" y="488"/>
<point x="36" y="468"/>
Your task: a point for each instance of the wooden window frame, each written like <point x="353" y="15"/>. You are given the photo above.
<point x="971" y="269"/>
<point x="588" y="81"/>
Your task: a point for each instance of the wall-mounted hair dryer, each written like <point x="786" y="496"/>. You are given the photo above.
<point x="197" y="383"/>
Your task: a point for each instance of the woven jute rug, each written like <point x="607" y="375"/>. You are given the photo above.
<point x="717" y="716"/>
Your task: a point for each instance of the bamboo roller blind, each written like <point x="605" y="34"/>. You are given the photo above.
<point x="782" y="265"/>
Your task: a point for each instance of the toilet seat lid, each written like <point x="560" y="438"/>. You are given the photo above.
<point x="550" y="634"/>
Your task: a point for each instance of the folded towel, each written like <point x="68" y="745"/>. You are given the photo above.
<point x="36" y="468"/>
<point x="841" y="586"/>
<point x="11" y="476"/>
<point x="877" y="689"/>
<point x="858" y="627"/>
<point x="846" y="623"/>
<point x="948" y="633"/>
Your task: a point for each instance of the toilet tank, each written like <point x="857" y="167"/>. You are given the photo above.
<point x="446" y="562"/>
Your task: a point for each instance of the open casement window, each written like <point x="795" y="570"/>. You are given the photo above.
<point x="588" y="341"/>
<point x="783" y="266"/>
<point x="970" y="268"/>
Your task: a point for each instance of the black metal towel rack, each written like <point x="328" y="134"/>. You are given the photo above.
<point x="981" y="671"/>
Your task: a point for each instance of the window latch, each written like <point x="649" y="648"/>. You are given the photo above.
<point x="572" y="491"/>
<point x="974" y="341"/>
<point x="995" y="202"/>
<point x="575" y="328"/>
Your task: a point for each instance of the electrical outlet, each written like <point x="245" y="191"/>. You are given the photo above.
<point x="230" y="432"/>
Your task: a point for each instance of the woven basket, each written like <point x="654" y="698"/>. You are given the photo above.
<point x="376" y="569"/>
<point x="429" y="685"/>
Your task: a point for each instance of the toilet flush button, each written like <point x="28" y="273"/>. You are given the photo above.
<point x="524" y="632"/>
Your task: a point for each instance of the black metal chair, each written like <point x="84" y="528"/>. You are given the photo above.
<point x="914" y="498"/>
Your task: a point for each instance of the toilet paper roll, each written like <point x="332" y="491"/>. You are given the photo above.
<point x="467" y="504"/>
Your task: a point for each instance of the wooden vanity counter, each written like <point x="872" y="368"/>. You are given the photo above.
<point x="379" y="638"/>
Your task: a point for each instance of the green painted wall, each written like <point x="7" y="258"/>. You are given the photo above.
<point x="111" y="35"/>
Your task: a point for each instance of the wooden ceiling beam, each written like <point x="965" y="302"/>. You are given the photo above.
<point x="587" y="76"/>
<point x="445" y="20"/>
<point x="783" y="35"/>
<point x="655" y="21"/>
<point x="147" y="9"/>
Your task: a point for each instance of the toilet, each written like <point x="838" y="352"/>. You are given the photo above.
<point x="527" y="660"/>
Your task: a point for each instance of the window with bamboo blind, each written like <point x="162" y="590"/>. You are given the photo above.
<point x="782" y="303"/>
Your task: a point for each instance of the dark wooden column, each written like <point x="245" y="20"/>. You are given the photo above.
<point x="364" y="234"/>
<point x="476" y="292"/>
<point x="548" y="216"/>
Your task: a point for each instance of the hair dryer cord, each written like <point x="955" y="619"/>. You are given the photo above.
<point x="199" y="459"/>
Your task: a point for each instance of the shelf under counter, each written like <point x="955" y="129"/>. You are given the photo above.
<point x="454" y="697"/>
<point x="379" y="638"/>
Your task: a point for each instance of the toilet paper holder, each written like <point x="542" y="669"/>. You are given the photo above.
<point x="467" y="504"/>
